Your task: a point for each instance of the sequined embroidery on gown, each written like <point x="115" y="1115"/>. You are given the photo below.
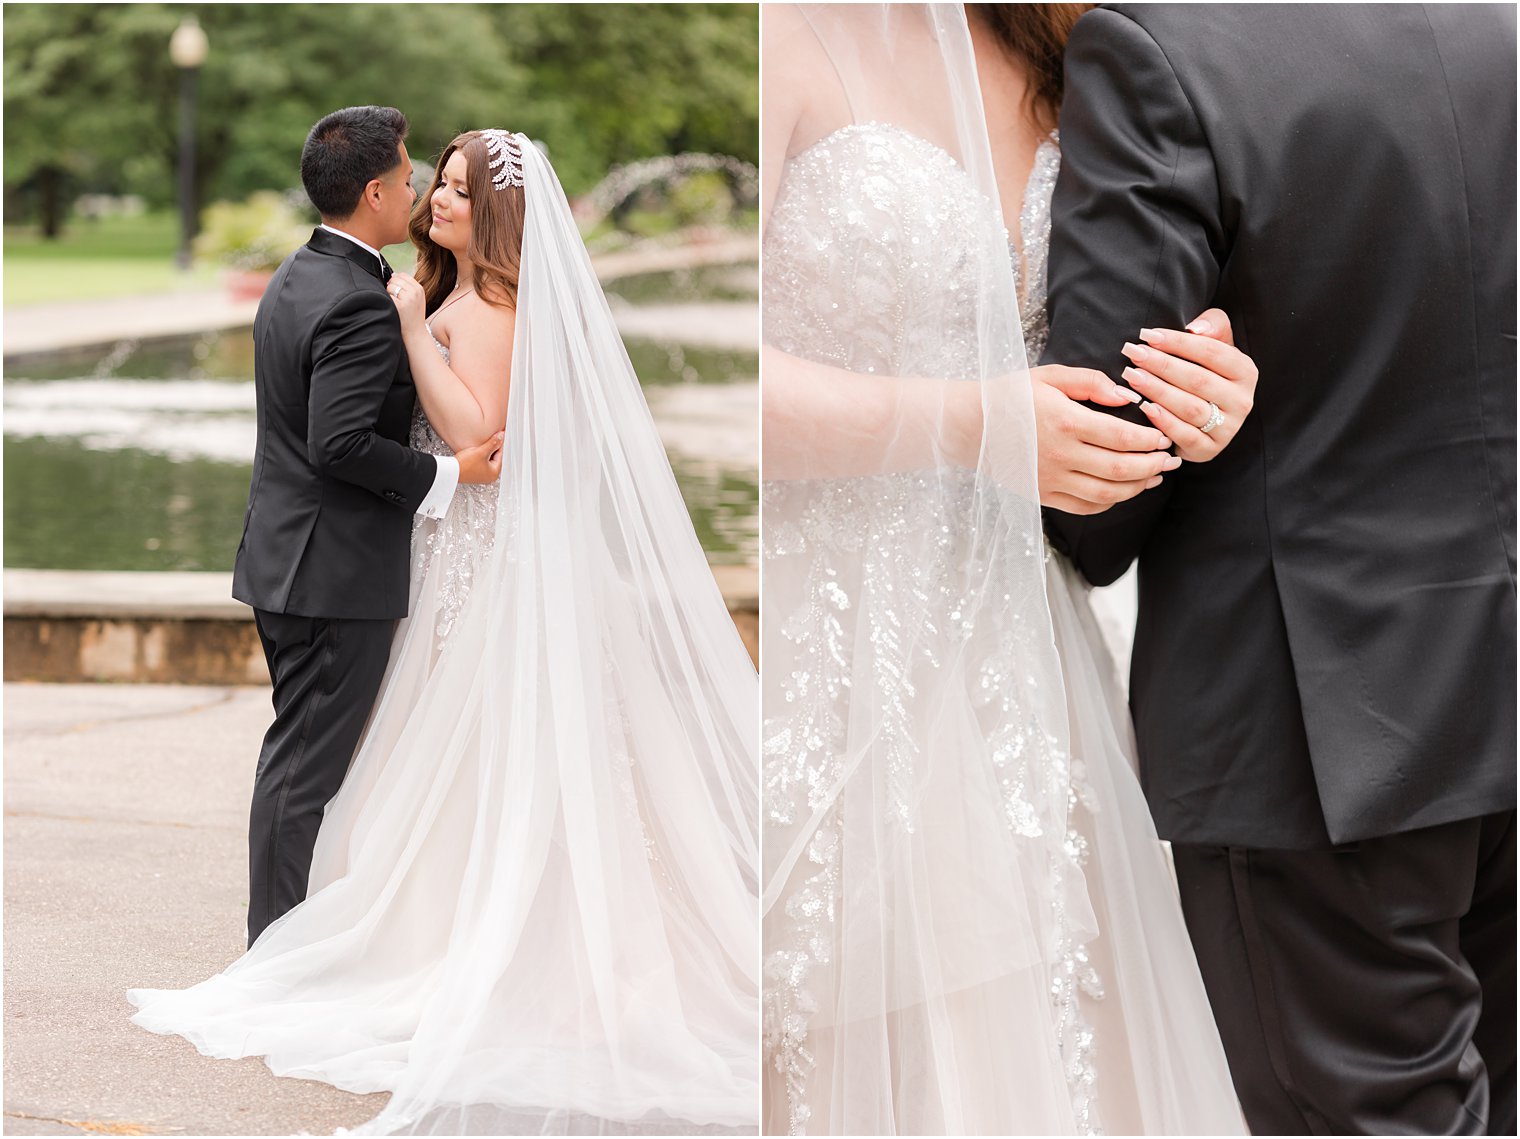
<point x="869" y="223"/>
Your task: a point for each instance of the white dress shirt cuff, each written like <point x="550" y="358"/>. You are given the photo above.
<point x="436" y="504"/>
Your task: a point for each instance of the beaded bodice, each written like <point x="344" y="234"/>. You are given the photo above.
<point x="869" y="254"/>
<point x="871" y="265"/>
<point x="868" y="265"/>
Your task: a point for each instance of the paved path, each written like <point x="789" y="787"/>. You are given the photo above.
<point x="34" y="329"/>
<point x="732" y="325"/>
<point x="125" y="824"/>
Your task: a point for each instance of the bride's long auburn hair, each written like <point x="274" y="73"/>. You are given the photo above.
<point x="496" y="231"/>
<point x="1035" y="35"/>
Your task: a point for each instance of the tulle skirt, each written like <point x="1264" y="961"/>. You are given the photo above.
<point x="958" y="969"/>
<point x="512" y="936"/>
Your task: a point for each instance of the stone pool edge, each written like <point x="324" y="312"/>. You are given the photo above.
<point x="142" y="627"/>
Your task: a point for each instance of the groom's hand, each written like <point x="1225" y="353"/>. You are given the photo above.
<point x="481" y="464"/>
<point x="1089" y="460"/>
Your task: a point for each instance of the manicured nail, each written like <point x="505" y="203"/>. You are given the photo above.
<point x="1135" y="352"/>
<point x="1155" y="482"/>
<point x="1136" y="376"/>
<point x="1153" y="335"/>
<point x="1201" y="327"/>
<point x="1171" y="463"/>
<point x="1129" y="393"/>
<point x="1149" y="408"/>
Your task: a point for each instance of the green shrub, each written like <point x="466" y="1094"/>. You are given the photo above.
<point x="251" y="235"/>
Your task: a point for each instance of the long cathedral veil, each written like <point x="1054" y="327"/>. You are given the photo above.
<point x="533" y="904"/>
<point x="916" y="885"/>
<point x="606" y="928"/>
<point x="968" y="925"/>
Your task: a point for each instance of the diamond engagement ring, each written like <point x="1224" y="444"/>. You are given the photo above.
<point x="1216" y="417"/>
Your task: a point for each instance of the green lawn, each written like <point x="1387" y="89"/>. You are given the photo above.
<point x="109" y="257"/>
<point x="120" y="257"/>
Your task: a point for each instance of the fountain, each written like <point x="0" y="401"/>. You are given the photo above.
<point x="623" y="183"/>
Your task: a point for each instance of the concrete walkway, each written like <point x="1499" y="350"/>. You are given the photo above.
<point x="34" y="329"/>
<point x="125" y="830"/>
<point x="732" y="325"/>
<point x="31" y="330"/>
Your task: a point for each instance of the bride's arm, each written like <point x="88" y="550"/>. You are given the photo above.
<point x="466" y="398"/>
<point x="820" y="421"/>
<point x="827" y="422"/>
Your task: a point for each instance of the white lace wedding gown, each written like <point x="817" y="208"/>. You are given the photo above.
<point x="513" y="938"/>
<point x="937" y="961"/>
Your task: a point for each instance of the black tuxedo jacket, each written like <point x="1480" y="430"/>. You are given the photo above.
<point x="335" y="484"/>
<point x="1326" y="641"/>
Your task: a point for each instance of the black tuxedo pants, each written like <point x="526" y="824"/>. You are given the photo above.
<point x="326" y="674"/>
<point x="1368" y="989"/>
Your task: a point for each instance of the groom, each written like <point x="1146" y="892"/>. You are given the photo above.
<point x="325" y="549"/>
<point x="1323" y="679"/>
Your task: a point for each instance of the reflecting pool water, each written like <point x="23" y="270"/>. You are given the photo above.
<point x="139" y="458"/>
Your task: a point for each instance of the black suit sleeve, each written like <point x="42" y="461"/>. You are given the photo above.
<point x="353" y="365"/>
<point x="1137" y="240"/>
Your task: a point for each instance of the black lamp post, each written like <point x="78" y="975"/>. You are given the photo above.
<point x="187" y="48"/>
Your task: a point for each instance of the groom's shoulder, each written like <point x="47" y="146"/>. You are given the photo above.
<point x="1166" y="32"/>
<point x="313" y="288"/>
<point x="317" y="266"/>
<point x="1161" y="16"/>
<point x="1214" y="49"/>
<point x="1250" y="29"/>
<point x="1275" y="46"/>
<point x="1148" y="36"/>
<point x="1184" y="23"/>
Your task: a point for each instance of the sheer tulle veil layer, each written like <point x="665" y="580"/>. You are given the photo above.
<point x="533" y="904"/>
<point x="932" y="906"/>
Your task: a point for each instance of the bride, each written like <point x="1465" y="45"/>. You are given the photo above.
<point x="532" y="903"/>
<point x="969" y="924"/>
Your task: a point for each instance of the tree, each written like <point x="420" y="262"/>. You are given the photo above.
<point x="59" y="98"/>
<point x="90" y="94"/>
<point x="616" y="82"/>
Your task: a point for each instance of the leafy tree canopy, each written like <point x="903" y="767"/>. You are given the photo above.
<point x="90" y="93"/>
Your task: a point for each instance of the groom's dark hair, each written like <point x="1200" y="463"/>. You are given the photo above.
<point x="347" y="150"/>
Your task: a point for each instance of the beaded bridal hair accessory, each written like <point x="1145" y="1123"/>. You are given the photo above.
<point x="506" y="158"/>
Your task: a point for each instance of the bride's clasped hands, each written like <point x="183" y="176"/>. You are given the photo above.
<point x="1091" y="460"/>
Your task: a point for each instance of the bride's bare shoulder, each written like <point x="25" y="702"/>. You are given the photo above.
<point x="482" y="320"/>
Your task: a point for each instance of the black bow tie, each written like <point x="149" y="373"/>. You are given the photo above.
<point x="385" y="271"/>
